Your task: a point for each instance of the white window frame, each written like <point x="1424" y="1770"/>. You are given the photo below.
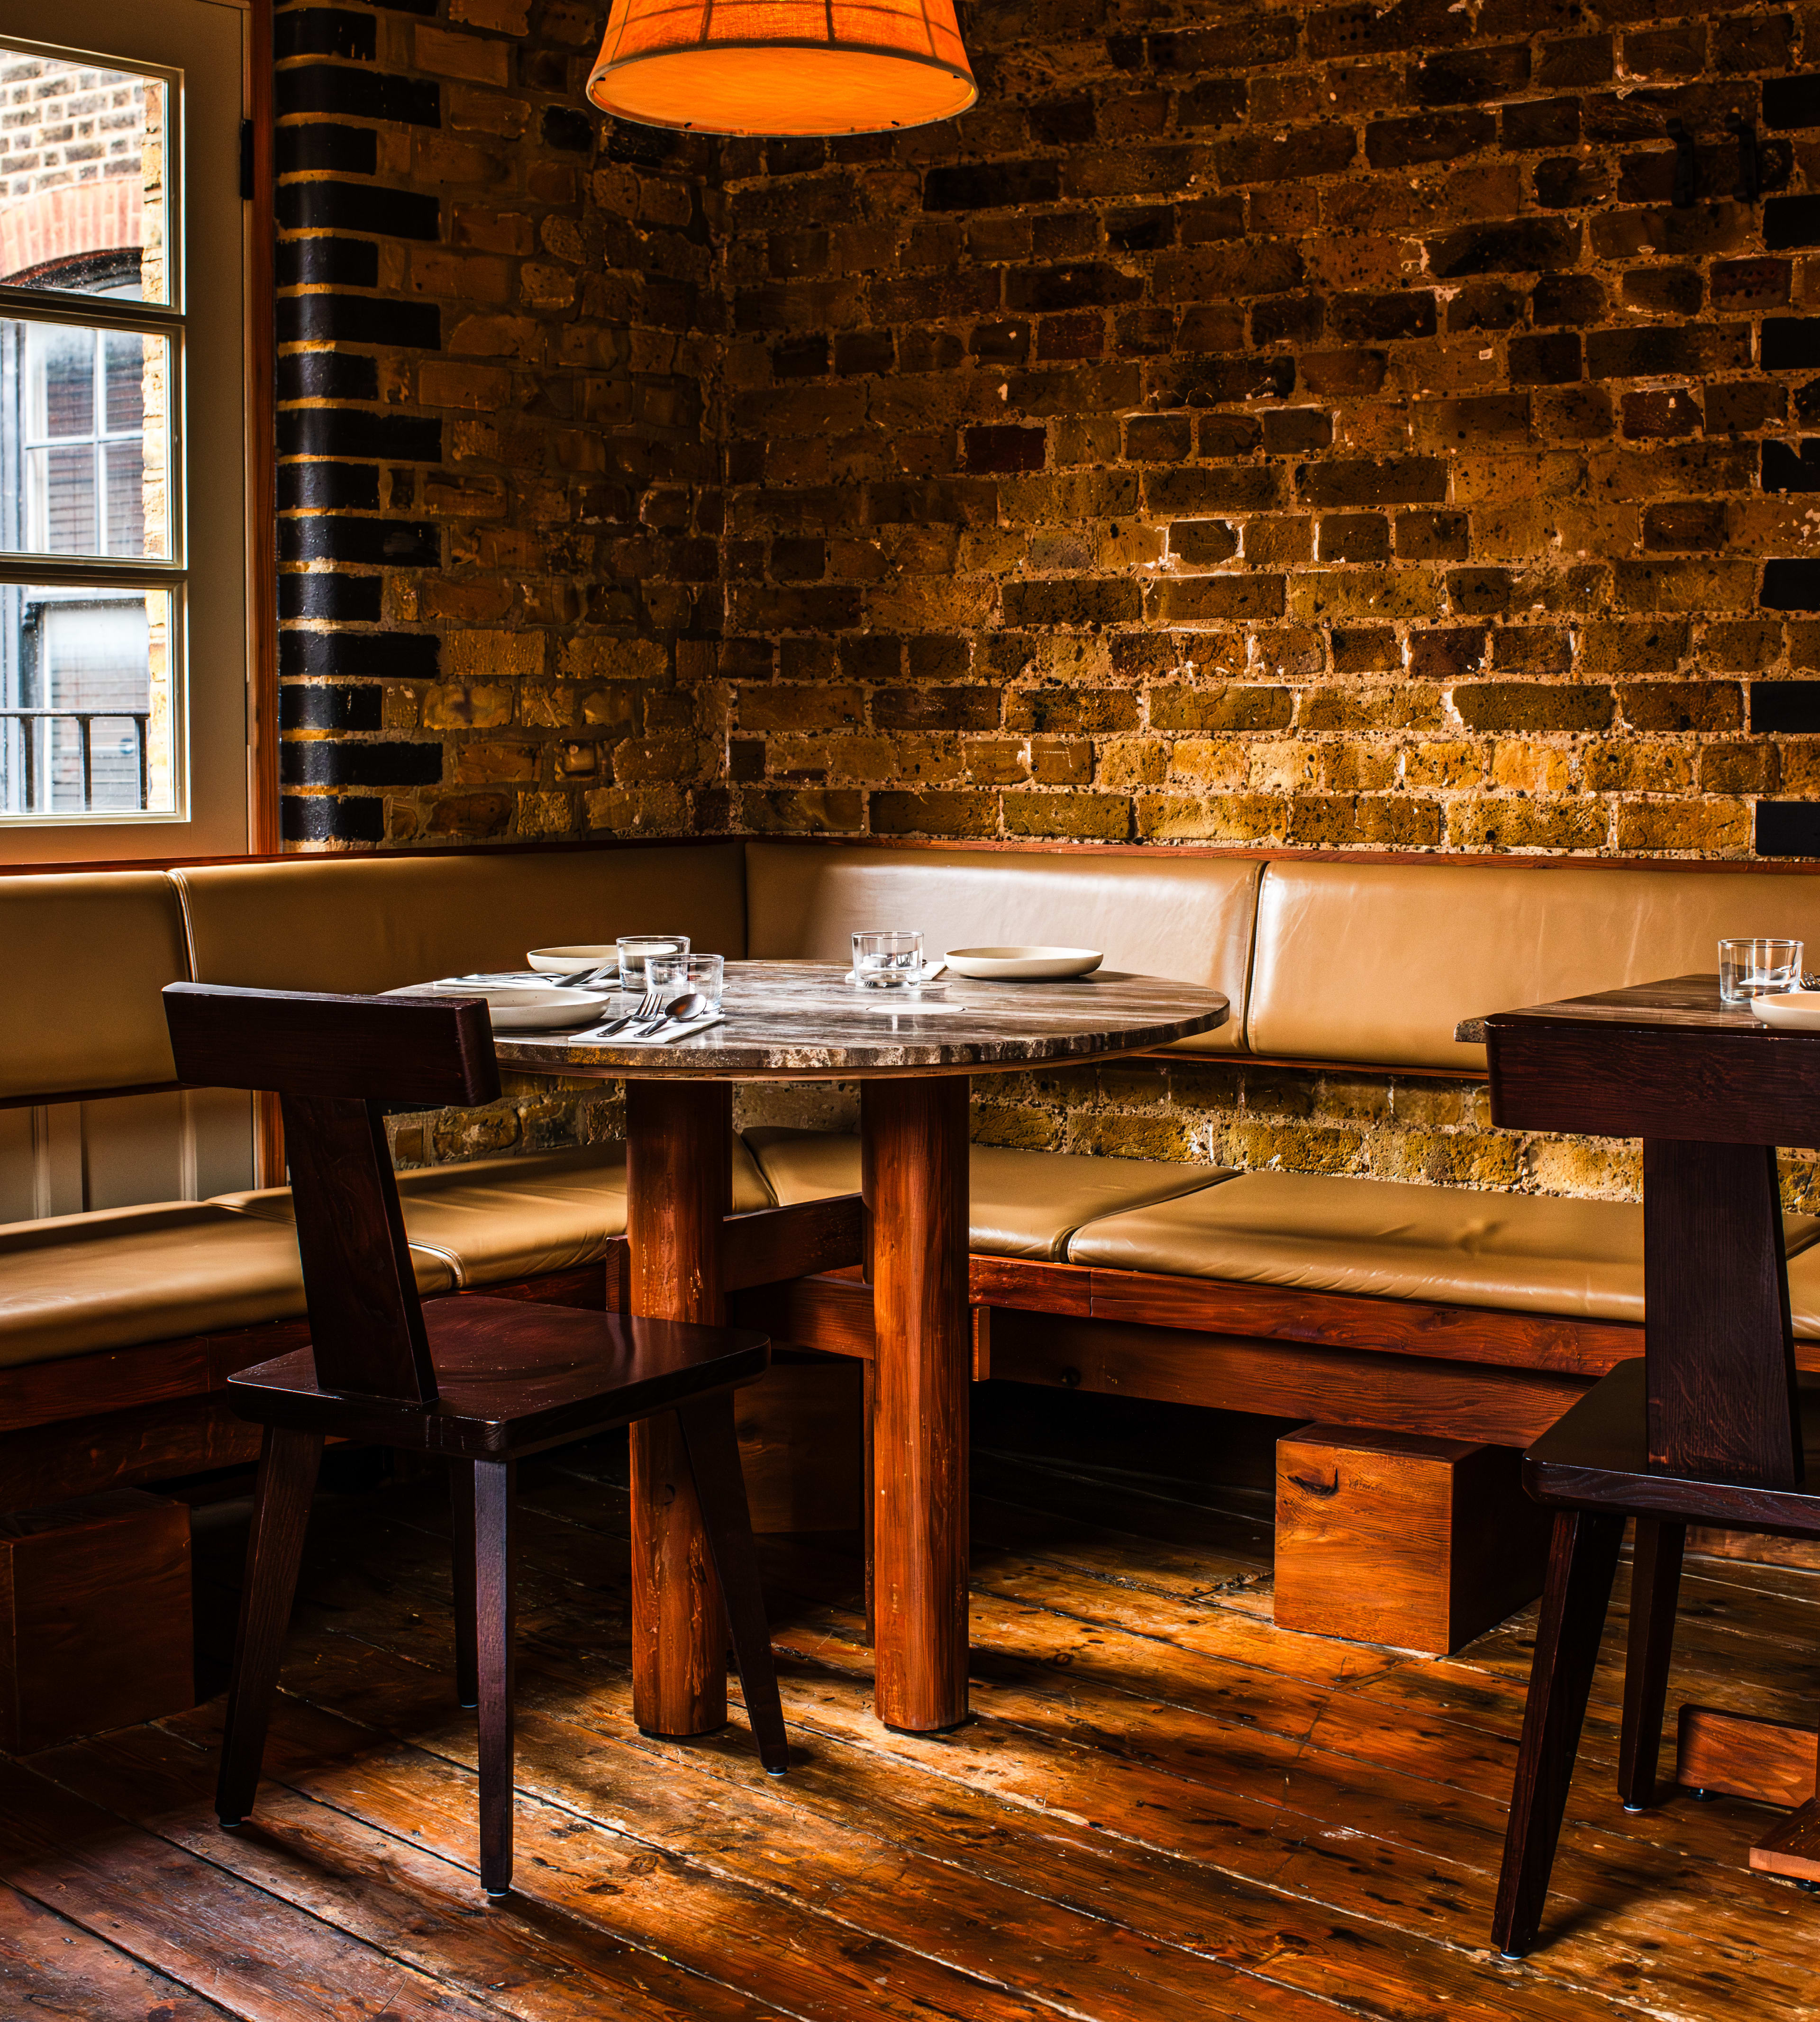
<point x="203" y="51"/>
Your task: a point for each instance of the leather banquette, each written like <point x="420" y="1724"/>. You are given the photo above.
<point x="1274" y="1290"/>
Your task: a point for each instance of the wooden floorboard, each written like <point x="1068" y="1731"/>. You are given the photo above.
<point x="1164" y="1808"/>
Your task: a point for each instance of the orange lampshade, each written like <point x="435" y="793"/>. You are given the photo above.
<point x="783" y="66"/>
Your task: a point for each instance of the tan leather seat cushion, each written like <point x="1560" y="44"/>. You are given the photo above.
<point x="1378" y="961"/>
<point x="1520" y="1253"/>
<point x="372" y="923"/>
<point x="1023" y="1203"/>
<point x="84" y="1283"/>
<point x="496" y="1220"/>
<point x="1189" y="917"/>
<point x="1805" y="1292"/>
<point x="86" y="956"/>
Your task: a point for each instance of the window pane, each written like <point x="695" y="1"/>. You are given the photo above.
<point x="81" y="177"/>
<point x="85" y="704"/>
<point x="84" y="442"/>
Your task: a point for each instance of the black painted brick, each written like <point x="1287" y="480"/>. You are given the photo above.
<point x="355" y="487"/>
<point x="1792" y="101"/>
<point x="399" y="656"/>
<point x="1786" y="468"/>
<point x="327" y="375"/>
<point x="325" y="32"/>
<point x="1793" y="707"/>
<point x="317" y="263"/>
<point x="352" y="432"/>
<point x="349" y="599"/>
<point x="359" y="319"/>
<point x="360" y="94"/>
<point x="1788" y="828"/>
<point x="1790" y="343"/>
<point x="1791" y="584"/>
<point x="327" y="819"/>
<point x="329" y="207"/>
<point x="1792" y="220"/>
<point x="353" y="150"/>
<point x="314" y="707"/>
<point x="325" y="538"/>
<point x="320" y="764"/>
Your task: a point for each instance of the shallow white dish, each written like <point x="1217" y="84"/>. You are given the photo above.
<point x="569" y="960"/>
<point x="517" y="1010"/>
<point x="1024" y="964"/>
<point x="1799" y="1010"/>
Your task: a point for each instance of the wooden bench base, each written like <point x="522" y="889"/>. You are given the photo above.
<point x="94" y="1616"/>
<point x="1394" y="1538"/>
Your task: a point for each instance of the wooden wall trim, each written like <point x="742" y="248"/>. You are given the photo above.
<point x="1271" y="852"/>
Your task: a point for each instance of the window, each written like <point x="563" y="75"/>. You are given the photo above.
<point x="124" y="430"/>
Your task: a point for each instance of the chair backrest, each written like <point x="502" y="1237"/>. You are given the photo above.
<point x="337" y="1063"/>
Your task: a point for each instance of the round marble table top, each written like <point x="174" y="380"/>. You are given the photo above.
<point x="791" y="1019"/>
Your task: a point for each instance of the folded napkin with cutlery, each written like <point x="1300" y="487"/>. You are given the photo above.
<point x="666" y="1034"/>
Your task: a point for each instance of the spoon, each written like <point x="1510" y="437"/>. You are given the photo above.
<point x="679" y="1010"/>
<point x="690" y="1005"/>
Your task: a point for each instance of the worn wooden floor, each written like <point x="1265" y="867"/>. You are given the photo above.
<point x="1164" y="1808"/>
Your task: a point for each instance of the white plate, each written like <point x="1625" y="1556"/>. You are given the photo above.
<point x="513" y="1010"/>
<point x="1797" y="1009"/>
<point x="1023" y="964"/>
<point x="570" y="961"/>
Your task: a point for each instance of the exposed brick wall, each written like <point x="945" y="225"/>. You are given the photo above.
<point x="1313" y="426"/>
<point x="496" y="485"/>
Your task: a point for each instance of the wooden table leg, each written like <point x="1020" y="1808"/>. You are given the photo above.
<point x="679" y="1187"/>
<point x="914" y="1133"/>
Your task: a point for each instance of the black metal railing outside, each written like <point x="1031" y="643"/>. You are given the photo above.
<point x="84" y="720"/>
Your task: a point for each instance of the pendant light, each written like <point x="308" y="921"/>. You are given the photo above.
<point x="780" y="68"/>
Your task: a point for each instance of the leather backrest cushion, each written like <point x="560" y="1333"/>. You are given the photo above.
<point x="1185" y="917"/>
<point x="1379" y="962"/>
<point x="368" y="923"/>
<point x="87" y="955"/>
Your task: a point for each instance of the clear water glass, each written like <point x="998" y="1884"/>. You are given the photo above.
<point x="636" y="949"/>
<point x="677" y="975"/>
<point x="1748" y="968"/>
<point x="887" y="961"/>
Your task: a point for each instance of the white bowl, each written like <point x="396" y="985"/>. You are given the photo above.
<point x="517" y="1009"/>
<point x="1798" y="1010"/>
<point x="571" y="960"/>
<point x="1023" y="964"/>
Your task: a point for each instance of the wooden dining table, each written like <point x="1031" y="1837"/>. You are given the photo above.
<point x="913" y="1054"/>
<point x="1712" y="1092"/>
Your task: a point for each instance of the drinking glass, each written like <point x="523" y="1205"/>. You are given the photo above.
<point x="676" y="975"/>
<point x="887" y="961"/>
<point x="635" y="950"/>
<point x="1748" y="968"/>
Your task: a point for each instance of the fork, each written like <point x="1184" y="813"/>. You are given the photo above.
<point x="650" y="1011"/>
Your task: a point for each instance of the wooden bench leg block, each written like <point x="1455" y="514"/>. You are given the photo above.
<point x="94" y="1616"/>
<point x="1396" y="1538"/>
<point x="801" y="1444"/>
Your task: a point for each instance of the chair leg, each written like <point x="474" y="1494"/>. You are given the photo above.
<point x="492" y="1546"/>
<point x="287" y="1481"/>
<point x="1655" y="1583"/>
<point x="719" y="1489"/>
<point x="1582" y="1562"/>
<point x="460" y="1512"/>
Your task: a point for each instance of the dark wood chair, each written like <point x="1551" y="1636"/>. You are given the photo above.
<point x="1710" y="1427"/>
<point x="479" y="1381"/>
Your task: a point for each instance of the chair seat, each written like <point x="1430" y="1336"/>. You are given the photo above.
<point x="493" y="1220"/>
<point x="513" y="1376"/>
<point x="1518" y="1253"/>
<point x="1596" y="1456"/>
<point x="81" y="1283"/>
<point x="1022" y="1203"/>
